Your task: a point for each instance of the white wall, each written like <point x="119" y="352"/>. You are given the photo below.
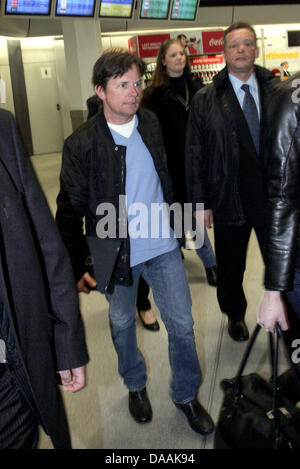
<point x="5" y="75"/>
<point x="39" y="61"/>
<point x="62" y="83"/>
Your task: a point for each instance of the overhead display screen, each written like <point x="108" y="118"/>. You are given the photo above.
<point x="184" y="9"/>
<point x="217" y="3"/>
<point x="28" y="7"/>
<point x="155" y="9"/>
<point x="75" y="8"/>
<point x="116" y="8"/>
<point x="293" y="38"/>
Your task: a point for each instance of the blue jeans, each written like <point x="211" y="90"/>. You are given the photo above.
<point x="206" y="252"/>
<point x="166" y="276"/>
<point x="294" y="295"/>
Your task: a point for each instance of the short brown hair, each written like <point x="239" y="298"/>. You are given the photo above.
<point x="239" y="25"/>
<point x="114" y="63"/>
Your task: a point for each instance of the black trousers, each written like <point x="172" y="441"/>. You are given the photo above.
<point x="18" y="426"/>
<point x="142" y="302"/>
<point x="231" y="243"/>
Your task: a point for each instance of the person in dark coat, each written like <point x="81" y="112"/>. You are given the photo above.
<point x="170" y="96"/>
<point x="282" y="246"/>
<point x="41" y="330"/>
<point x="226" y="164"/>
<point x="284" y="70"/>
<point x="112" y="164"/>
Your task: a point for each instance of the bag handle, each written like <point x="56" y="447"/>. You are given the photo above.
<point x="274" y="349"/>
<point x="273" y="355"/>
<point x="237" y="385"/>
<point x="275" y="381"/>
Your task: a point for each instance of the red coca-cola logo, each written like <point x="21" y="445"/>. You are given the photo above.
<point x="216" y="42"/>
<point x="212" y="41"/>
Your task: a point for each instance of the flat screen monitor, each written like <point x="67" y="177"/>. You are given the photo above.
<point x="155" y="9"/>
<point x="28" y="7"/>
<point x="184" y="9"/>
<point x="236" y="3"/>
<point x="293" y="38"/>
<point x="116" y="8"/>
<point x="84" y="8"/>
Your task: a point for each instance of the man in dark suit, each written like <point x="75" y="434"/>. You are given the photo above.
<point x="40" y="325"/>
<point x="284" y="70"/>
<point x="225" y="164"/>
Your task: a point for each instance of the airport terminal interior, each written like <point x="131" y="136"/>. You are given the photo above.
<point x="45" y="80"/>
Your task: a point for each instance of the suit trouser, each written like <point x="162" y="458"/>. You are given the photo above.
<point x="231" y="243"/>
<point x="18" y="426"/>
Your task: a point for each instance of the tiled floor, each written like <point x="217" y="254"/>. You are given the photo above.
<point x="98" y="415"/>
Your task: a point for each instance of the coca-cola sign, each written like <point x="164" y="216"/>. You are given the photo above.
<point x="216" y="42"/>
<point x="212" y="41"/>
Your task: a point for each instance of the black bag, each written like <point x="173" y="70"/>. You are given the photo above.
<point x="254" y="415"/>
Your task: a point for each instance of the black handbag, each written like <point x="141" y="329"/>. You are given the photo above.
<point x="254" y="413"/>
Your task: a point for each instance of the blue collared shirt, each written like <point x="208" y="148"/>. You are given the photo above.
<point x="240" y="94"/>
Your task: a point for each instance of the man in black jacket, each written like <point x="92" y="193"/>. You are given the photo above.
<point x="113" y="166"/>
<point x="282" y="250"/>
<point x="225" y="164"/>
<point x="40" y="325"/>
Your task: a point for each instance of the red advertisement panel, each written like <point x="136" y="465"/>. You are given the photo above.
<point x="133" y="45"/>
<point x="212" y="42"/>
<point x="149" y="45"/>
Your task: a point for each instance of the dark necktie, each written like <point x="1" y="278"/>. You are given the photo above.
<point x="251" y="115"/>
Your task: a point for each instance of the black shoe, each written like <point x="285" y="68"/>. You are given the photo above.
<point x="154" y="326"/>
<point x="211" y="275"/>
<point x="198" y="418"/>
<point x="238" y="330"/>
<point x="139" y="406"/>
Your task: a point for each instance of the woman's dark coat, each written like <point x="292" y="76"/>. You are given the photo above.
<point x="173" y="117"/>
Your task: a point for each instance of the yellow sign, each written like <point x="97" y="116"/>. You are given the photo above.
<point x="282" y="55"/>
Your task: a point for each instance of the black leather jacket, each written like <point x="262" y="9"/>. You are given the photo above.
<point x="282" y="239"/>
<point x="213" y="148"/>
<point x="93" y="172"/>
